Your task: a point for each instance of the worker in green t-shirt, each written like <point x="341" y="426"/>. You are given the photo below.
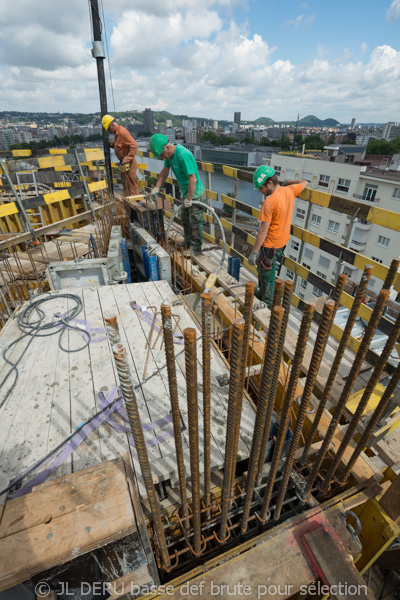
<point x="184" y="167"/>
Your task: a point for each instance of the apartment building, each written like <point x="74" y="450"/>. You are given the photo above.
<point x="365" y="184"/>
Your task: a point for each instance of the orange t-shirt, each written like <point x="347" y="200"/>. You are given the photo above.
<point x="277" y="210"/>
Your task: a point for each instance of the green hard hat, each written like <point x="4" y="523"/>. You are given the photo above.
<point x="157" y="143"/>
<point x="261" y="175"/>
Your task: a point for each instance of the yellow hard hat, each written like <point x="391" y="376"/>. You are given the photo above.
<point x="106" y="121"/>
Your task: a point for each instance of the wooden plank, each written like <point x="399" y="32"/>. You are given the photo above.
<point x="336" y="567"/>
<point x="390" y="500"/>
<point x="43" y="546"/>
<point x="59" y="497"/>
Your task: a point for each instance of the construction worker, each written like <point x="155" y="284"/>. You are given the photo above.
<point x="184" y="167"/>
<point x="125" y="148"/>
<point x="274" y="232"/>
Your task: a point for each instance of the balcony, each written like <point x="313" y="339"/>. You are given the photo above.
<point x="362" y="225"/>
<point x="359" y="246"/>
<point x="365" y="198"/>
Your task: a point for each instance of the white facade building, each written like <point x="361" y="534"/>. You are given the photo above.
<point x="375" y="187"/>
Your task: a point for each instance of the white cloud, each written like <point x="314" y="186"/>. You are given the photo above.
<point x="302" y="20"/>
<point x="393" y="12"/>
<point x="364" y="47"/>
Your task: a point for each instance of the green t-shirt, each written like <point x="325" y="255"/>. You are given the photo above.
<point x="183" y="164"/>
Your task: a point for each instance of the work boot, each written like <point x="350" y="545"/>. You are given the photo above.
<point x="197" y="252"/>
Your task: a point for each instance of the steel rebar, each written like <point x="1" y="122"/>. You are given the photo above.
<point x="362" y="287"/>
<point x="189" y="335"/>
<point x="278" y="292"/>
<point x="173" y="393"/>
<point x="233" y="400"/>
<point x="112" y="327"/>
<point x="247" y="313"/>
<point x="264" y="409"/>
<point x="140" y="445"/>
<point x="318" y="352"/>
<point x="391" y="274"/>
<point x="206" y="350"/>
<point x="374" y="420"/>
<point x="286" y="303"/>
<point x="351" y="378"/>
<point x="373" y="380"/>
<point x="337" y="292"/>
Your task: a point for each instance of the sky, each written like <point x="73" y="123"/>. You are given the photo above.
<point x="273" y="58"/>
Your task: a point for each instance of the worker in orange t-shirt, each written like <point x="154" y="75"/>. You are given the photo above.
<point x="274" y="232"/>
<point x="125" y="148"/>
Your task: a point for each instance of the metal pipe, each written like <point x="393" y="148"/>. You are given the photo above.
<point x="287" y="404"/>
<point x="362" y="287"/>
<point x="189" y="335"/>
<point x="278" y="292"/>
<point x="264" y="409"/>
<point x="391" y="274"/>
<point x="373" y="380"/>
<point x="351" y="378"/>
<point x="206" y="349"/>
<point x="374" y="420"/>
<point x="247" y="313"/>
<point x="286" y="302"/>
<point x="233" y="400"/>
<point x="173" y="394"/>
<point x="140" y="445"/>
<point x="318" y="352"/>
<point x="112" y="327"/>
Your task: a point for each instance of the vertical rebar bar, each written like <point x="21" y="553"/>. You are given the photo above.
<point x="362" y="287"/>
<point x="233" y="399"/>
<point x="112" y="327"/>
<point x="247" y="312"/>
<point x="373" y="380"/>
<point x="391" y="274"/>
<point x="318" y="352"/>
<point x="286" y="303"/>
<point x="189" y="335"/>
<point x="140" y="445"/>
<point x="374" y="420"/>
<point x="354" y="371"/>
<point x="278" y="292"/>
<point x="339" y="287"/>
<point x="264" y="409"/>
<point x="173" y="393"/>
<point x="206" y="349"/>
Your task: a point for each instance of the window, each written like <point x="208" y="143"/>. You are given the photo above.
<point x="308" y="253"/>
<point x="277" y="171"/>
<point x="383" y="241"/>
<point x="301" y="295"/>
<point x="333" y="226"/>
<point x="307" y="176"/>
<point x="377" y="259"/>
<point x="300" y="213"/>
<point x="324" y="262"/>
<point x="289" y="274"/>
<point x="316" y="220"/>
<point x="289" y="174"/>
<point x="303" y="284"/>
<point x="343" y="185"/>
<point x="316" y="292"/>
<point x="293" y="257"/>
<point x="321" y="274"/>
<point x="306" y="266"/>
<point x="369" y="192"/>
<point x="295" y="245"/>
<point x="396" y="193"/>
<point x="371" y="282"/>
<point x="349" y="158"/>
<point x="324" y="180"/>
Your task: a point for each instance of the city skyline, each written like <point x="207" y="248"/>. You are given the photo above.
<point x="336" y="61"/>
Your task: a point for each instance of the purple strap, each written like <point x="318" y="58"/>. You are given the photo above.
<point x="88" y="329"/>
<point x="149" y="318"/>
<point x="66" y="450"/>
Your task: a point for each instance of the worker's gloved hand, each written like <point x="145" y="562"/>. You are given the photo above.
<point x="252" y="259"/>
<point x="153" y="194"/>
<point x="188" y="203"/>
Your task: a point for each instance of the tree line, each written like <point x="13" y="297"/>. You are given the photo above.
<point x="65" y="141"/>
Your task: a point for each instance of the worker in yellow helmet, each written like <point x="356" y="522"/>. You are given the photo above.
<point x="125" y="148"/>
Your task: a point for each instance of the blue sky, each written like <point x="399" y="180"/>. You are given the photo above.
<point x="272" y="58"/>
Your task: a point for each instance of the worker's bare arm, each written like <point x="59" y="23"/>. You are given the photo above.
<point x="302" y="182"/>
<point x="192" y="180"/>
<point x="262" y="234"/>
<point x="162" y="176"/>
